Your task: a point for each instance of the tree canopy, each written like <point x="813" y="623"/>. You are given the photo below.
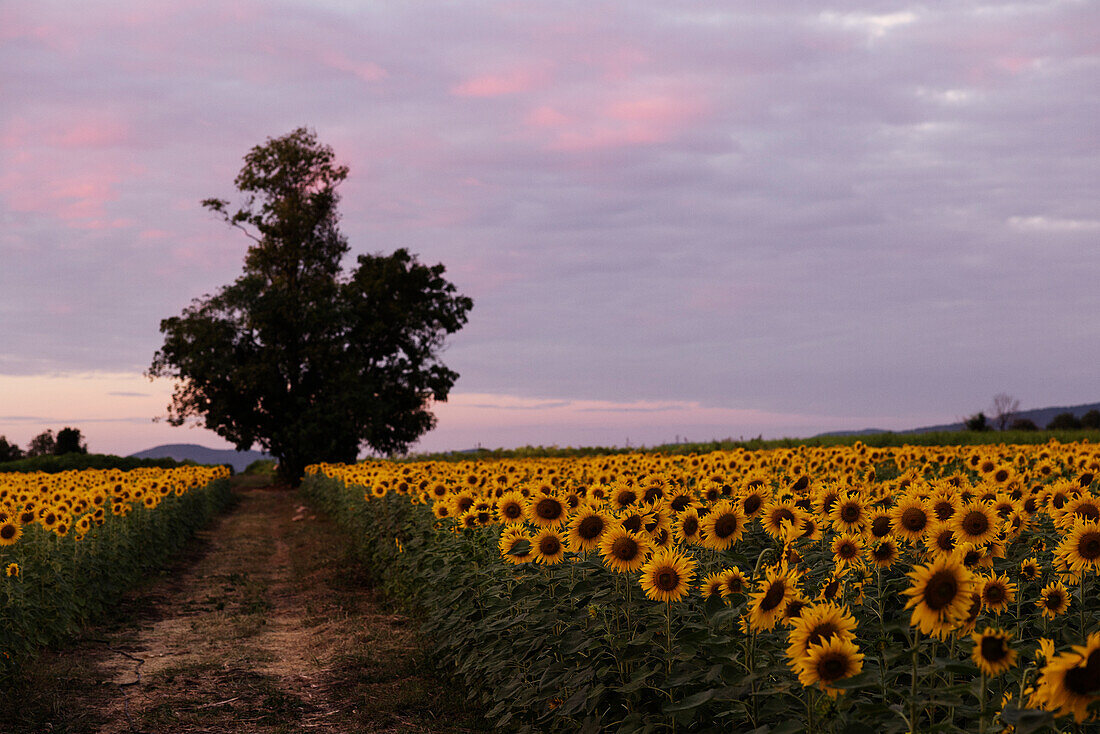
<point x="311" y="363"/>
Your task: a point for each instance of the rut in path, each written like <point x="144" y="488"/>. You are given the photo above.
<point x="267" y="627"/>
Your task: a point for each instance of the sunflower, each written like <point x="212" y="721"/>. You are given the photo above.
<point x="939" y="595"/>
<point x="549" y="546"/>
<point x="586" y="528"/>
<point x="1081" y="548"/>
<point x="623" y="495"/>
<point x="546" y="511"/>
<point x="828" y="662"/>
<point x="1084" y="507"/>
<point x="10" y="532"/>
<point x="975" y="523"/>
<point x="910" y="518"/>
<point x="753" y="499"/>
<point x="510" y="508"/>
<point x="623" y="550"/>
<point x="733" y="582"/>
<point x="940" y="539"/>
<point x="885" y="553"/>
<point x="943" y="503"/>
<point x="1070" y="682"/>
<point x="516" y="546"/>
<point x="767" y="604"/>
<point x="688" y="528"/>
<point x="1030" y="569"/>
<point x="711" y="585"/>
<point x="12" y="570"/>
<point x="817" y="624"/>
<point x="667" y="575"/>
<point x="847" y="550"/>
<point x="723" y="526"/>
<point x="850" y="513"/>
<point x="997" y="593"/>
<point x="460" y="503"/>
<point x="992" y="653"/>
<point x="880" y="524"/>
<point x="779" y="512"/>
<point x="1053" y="600"/>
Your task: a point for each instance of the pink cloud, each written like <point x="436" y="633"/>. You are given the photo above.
<point x="368" y="71"/>
<point x="498" y="85"/>
<point x="644" y="119"/>
<point x="546" y="116"/>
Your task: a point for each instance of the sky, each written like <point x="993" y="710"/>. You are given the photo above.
<point x="677" y="220"/>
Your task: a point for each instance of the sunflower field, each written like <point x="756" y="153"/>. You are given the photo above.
<point x="847" y="589"/>
<point x="72" y="542"/>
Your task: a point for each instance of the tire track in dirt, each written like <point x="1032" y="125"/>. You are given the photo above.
<point x="269" y="627"/>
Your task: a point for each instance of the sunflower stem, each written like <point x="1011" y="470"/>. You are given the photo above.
<point x="981" y="710"/>
<point x="913" y="682"/>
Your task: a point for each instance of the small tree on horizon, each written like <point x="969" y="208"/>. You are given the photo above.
<point x="9" y="451"/>
<point x="977" y="422"/>
<point x="43" y="444"/>
<point x="1005" y="408"/>
<point x="70" y="441"/>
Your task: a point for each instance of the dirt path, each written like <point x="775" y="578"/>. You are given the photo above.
<point x="266" y="627"/>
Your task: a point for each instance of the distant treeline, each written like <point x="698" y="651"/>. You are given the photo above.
<point x="74" y="461"/>
<point x="939" y="438"/>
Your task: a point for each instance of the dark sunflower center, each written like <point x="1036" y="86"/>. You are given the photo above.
<point x="1054" y="601"/>
<point x="667" y="579"/>
<point x="690" y="526"/>
<point x="512" y="510"/>
<point x="975" y="523"/>
<point x="1059" y="501"/>
<point x="1085" y="680"/>
<point x="794" y="609"/>
<point x="775" y="594"/>
<point x="801" y="484"/>
<point x="782" y="514"/>
<point x="549" y="545"/>
<point x="1000" y="475"/>
<point x="590" y="527"/>
<point x="726" y="525"/>
<point x="945" y="541"/>
<point x="831" y="589"/>
<point x="733" y="583"/>
<point x="626" y="497"/>
<point x="941" y="590"/>
<point x="1089" y="545"/>
<point x="914" y="519"/>
<point x="975" y="608"/>
<point x="884" y="552"/>
<point x="847" y="550"/>
<point x="465" y="503"/>
<point x="821" y="633"/>
<point x="971" y="558"/>
<point x="633" y="523"/>
<point x="850" y="512"/>
<point x="625" y="549"/>
<point x="993" y="649"/>
<point x="679" y="503"/>
<point x="7" y="532"/>
<point x="832" y="667"/>
<point x="880" y="526"/>
<point x="1087" y="511"/>
<point x="548" y="508"/>
<point x="943" y="509"/>
<point x="994" y="593"/>
<point x="752" y="503"/>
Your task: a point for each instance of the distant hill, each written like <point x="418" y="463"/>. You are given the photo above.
<point x="239" y="460"/>
<point x="1040" y="416"/>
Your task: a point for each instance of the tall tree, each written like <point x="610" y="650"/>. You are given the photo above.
<point x="308" y="362"/>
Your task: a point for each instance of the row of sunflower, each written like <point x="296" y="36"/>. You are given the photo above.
<point x="892" y="589"/>
<point x="72" y="542"/>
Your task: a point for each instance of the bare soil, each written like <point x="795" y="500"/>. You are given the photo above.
<point x="267" y="625"/>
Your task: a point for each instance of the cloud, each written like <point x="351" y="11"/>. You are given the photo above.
<point x="872" y="211"/>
